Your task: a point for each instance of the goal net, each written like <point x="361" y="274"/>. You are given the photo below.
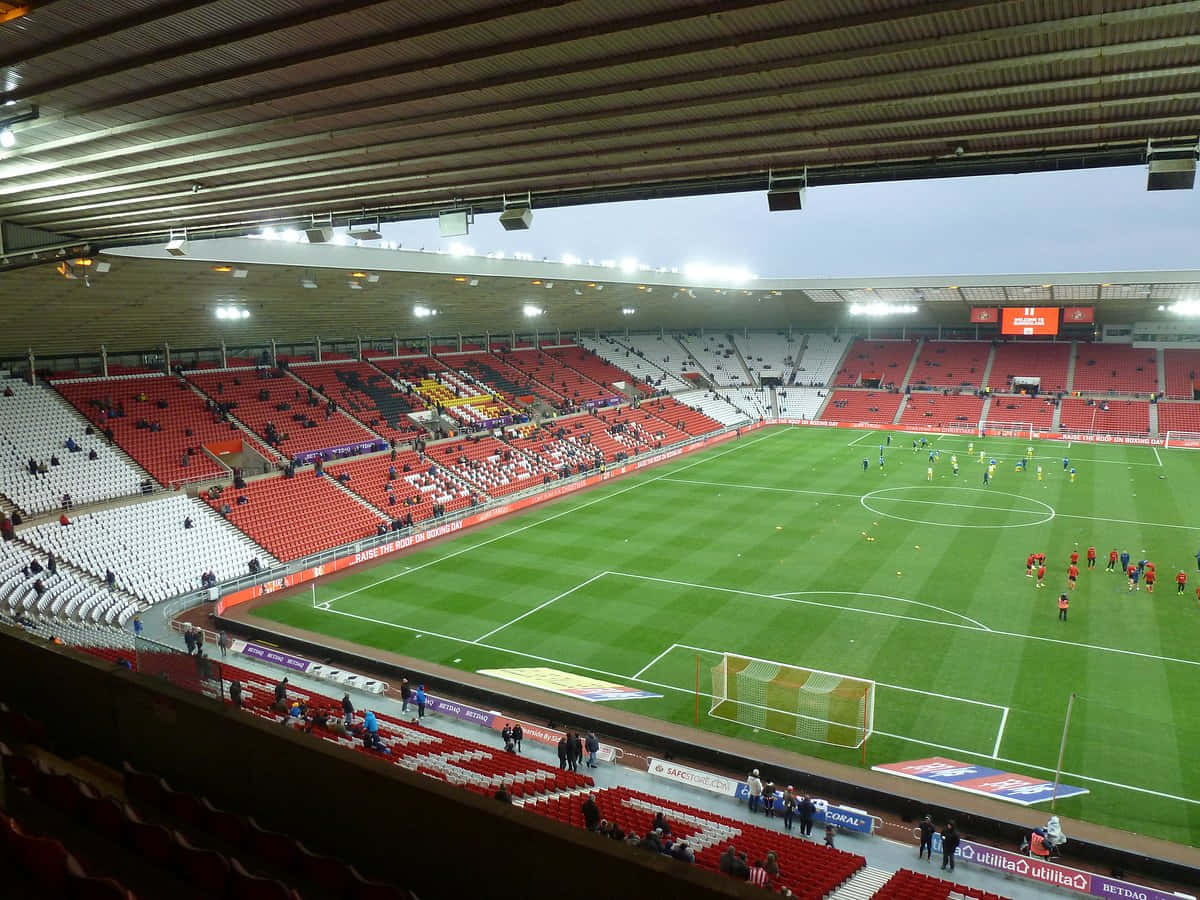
<point x="805" y="703"/>
<point x="993" y="428"/>
<point x="1182" y="439"/>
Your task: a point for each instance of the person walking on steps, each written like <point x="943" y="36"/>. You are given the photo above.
<point x="926" y="848"/>
<point x="949" y="845"/>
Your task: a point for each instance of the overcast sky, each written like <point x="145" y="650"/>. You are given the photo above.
<point x="1095" y="220"/>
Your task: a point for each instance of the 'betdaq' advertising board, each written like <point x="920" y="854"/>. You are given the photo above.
<point x="983" y="780"/>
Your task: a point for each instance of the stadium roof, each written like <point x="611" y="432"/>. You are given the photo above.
<point x="146" y="297"/>
<point x="221" y="116"/>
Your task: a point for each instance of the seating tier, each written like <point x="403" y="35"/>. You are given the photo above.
<point x="800" y="402"/>
<point x="717" y="355"/>
<point x="680" y="416"/>
<point x="862" y="406"/>
<point x="185" y="423"/>
<point x="652" y="360"/>
<point x="908" y="885"/>
<point x="819" y="361"/>
<point x="1114" y="416"/>
<point x="1115" y="368"/>
<point x="768" y="353"/>
<point x="293" y="517"/>
<point x="548" y="371"/>
<point x="35" y="423"/>
<point x="369" y="395"/>
<point x="1178" y="417"/>
<point x="952" y="364"/>
<point x="950" y="411"/>
<point x="1182" y="371"/>
<point x="415" y="487"/>
<point x="1016" y="408"/>
<point x="716" y="407"/>
<point x="886" y="361"/>
<point x="593" y="366"/>
<point x="491" y="466"/>
<point x="302" y="426"/>
<point x="1044" y="360"/>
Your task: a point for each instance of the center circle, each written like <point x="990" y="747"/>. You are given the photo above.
<point x="883" y="497"/>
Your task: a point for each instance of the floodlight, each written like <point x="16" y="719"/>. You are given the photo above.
<point x="177" y="246"/>
<point x="7" y="138"/>
<point x="786" y="192"/>
<point x="517" y="214"/>
<point x="531" y="311"/>
<point x="364" y="232"/>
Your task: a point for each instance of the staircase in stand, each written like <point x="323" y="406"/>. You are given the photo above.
<point x="862" y="884"/>
<point x="1154" y="418"/>
<point x="750" y="379"/>
<point x="712" y="382"/>
<point x="987" y="402"/>
<point x="987" y="369"/>
<point x="903" y="404"/>
<point x="1160" y="366"/>
<point x="1074" y="355"/>
<point x="799" y="352"/>
<point x="912" y="364"/>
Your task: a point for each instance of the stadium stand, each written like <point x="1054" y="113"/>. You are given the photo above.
<point x="753" y="402"/>
<point x="680" y="416"/>
<point x="1115" y="368"/>
<point x="185" y="424"/>
<point x="819" y="361"/>
<point x="862" y="406"/>
<point x="460" y="396"/>
<point x="869" y="361"/>
<point x="909" y="885"/>
<point x="716" y="407"/>
<point x="950" y="411"/>
<point x="1182" y="371"/>
<point x="639" y="430"/>
<point x="35" y="424"/>
<point x="1178" y="417"/>
<point x="551" y="373"/>
<point x="646" y="357"/>
<point x="368" y="394"/>
<point x="811" y="871"/>
<point x="950" y="364"/>
<point x="416" y="488"/>
<point x="293" y="517"/>
<point x="492" y="467"/>
<point x="303" y="426"/>
<point x="1049" y="362"/>
<point x="1016" y="408"/>
<point x="147" y="546"/>
<point x="569" y="440"/>
<point x="71" y="600"/>
<point x="768" y="353"/>
<point x="717" y="355"/>
<point x="1113" y="416"/>
<point x="800" y="402"/>
<point x="595" y="367"/>
<point x="514" y="385"/>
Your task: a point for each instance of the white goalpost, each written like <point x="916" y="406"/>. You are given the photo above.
<point x="791" y="700"/>
<point x="1176" y="440"/>
<point x="1007" y="429"/>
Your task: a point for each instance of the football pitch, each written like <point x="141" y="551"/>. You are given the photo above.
<point x="780" y="546"/>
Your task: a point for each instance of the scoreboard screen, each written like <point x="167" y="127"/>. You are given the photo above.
<point x="1029" y="320"/>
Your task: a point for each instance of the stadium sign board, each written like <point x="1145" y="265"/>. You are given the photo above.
<point x="983" y="780"/>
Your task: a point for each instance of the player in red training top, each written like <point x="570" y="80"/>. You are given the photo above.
<point x="1112" y="560"/>
<point x="1072" y="573"/>
<point x="1074" y="557"/>
<point x="1029" y="566"/>
<point x="1132" y="572"/>
<point x="1041" y="575"/>
<point x="1180" y="581"/>
<point x="1091" y="557"/>
<point x="1150" y="579"/>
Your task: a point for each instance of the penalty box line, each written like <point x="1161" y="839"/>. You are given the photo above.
<point x="679" y="690"/>
<point x="408" y="570"/>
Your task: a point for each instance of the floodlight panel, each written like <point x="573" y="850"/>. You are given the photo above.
<point x="1124" y="291"/>
<point x="453" y="223"/>
<point x="939" y="295"/>
<point x="1075" y="291"/>
<point x="1028" y="292"/>
<point x="985" y="295"/>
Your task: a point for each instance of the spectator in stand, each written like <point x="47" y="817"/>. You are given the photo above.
<point x="562" y="752"/>
<point x="757" y="875"/>
<point x="420" y="698"/>
<point x="199" y="641"/>
<point x="660" y="824"/>
<point x="189" y="639"/>
<point x="683" y="852"/>
<point x="768" y="799"/>
<point x="187" y="522"/>
<point x="591" y="813"/>
<point x="592" y="745"/>
<point x="741" y="868"/>
<point x="35" y="567"/>
<point x="223" y="643"/>
<point x="754" y="784"/>
<point x="51" y="564"/>
<point x="281" y="696"/>
<point x="771" y="864"/>
<point x="93" y="455"/>
<point x="517" y="734"/>
<point x="405" y="694"/>
<point x="347" y="709"/>
<point x="927" y="830"/>
<point x="506" y="738"/>
<point x="63" y="520"/>
<point x="235" y="693"/>
<point x="725" y="864"/>
<point x="6" y="527"/>
<point x="137" y="625"/>
<point x="789" y="807"/>
<point x="829" y="832"/>
<point x="39" y="588"/>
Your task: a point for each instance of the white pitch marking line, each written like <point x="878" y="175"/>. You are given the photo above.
<point x="788" y="594"/>
<point x="1156" y="456"/>
<point x="558" y="515"/>
<point x="872" y="612"/>
<point x="865" y="434"/>
<point x="1000" y="734"/>
<point x="540" y="606"/>
<point x="650" y="664"/>
<point x="691" y="691"/>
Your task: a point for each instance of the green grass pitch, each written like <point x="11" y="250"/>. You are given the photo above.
<point x="757" y="547"/>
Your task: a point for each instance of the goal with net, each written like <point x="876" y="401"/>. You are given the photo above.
<point x="794" y="701"/>
<point x="990" y="428"/>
